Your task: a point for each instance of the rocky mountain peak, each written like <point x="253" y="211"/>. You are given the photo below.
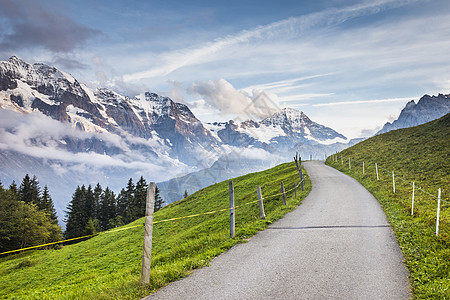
<point x="427" y="109"/>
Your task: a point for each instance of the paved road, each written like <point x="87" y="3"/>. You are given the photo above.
<point x="336" y="245"/>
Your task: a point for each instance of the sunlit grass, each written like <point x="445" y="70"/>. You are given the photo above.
<point x="108" y="266"/>
<point x="421" y="155"/>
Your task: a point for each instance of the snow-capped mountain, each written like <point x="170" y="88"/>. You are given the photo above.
<point x="281" y="131"/>
<point x="427" y="109"/>
<point x="171" y="127"/>
<point x="68" y="134"/>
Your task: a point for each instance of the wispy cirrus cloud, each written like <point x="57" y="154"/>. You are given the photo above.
<point x="291" y="27"/>
<point x="357" y="102"/>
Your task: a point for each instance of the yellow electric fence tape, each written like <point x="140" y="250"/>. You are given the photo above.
<point x="126" y="228"/>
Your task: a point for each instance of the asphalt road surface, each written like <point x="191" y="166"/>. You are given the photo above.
<point x="336" y="245"/>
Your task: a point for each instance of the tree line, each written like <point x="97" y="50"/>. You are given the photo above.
<point x="94" y="209"/>
<point x="27" y="215"/>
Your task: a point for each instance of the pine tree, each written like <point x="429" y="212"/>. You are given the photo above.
<point x="89" y="205"/>
<point x="14" y="189"/>
<point x="97" y="195"/>
<point x="46" y="204"/>
<point x="121" y="204"/>
<point x="75" y="215"/>
<point x="185" y="194"/>
<point x="140" y="199"/>
<point x="107" y="209"/>
<point x="158" y="200"/>
<point x="29" y="190"/>
<point x="129" y="194"/>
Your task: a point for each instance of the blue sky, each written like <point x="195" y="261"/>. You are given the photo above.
<point x="350" y="65"/>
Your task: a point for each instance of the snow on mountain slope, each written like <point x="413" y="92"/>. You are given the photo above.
<point x="283" y="130"/>
<point x="102" y="132"/>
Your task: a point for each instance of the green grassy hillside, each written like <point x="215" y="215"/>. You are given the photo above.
<point x="108" y="266"/>
<point x="422" y="155"/>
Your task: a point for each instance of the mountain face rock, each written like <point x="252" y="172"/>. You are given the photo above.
<point x="25" y="88"/>
<point x="280" y="132"/>
<point x="63" y="129"/>
<point x="428" y="108"/>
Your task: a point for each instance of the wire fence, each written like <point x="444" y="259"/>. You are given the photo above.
<point x="154" y="222"/>
<point x="334" y="158"/>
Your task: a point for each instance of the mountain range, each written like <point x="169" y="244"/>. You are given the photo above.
<point x="427" y="109"/>
<point x="68" y="134"/>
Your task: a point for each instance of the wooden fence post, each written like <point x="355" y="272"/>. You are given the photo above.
<point x="283" y="191"/>
<point x="295" y="188"/>
<point x="363" y="169"/>
<point x="349" y="164"/>
<point x="261" y="203"/>
<point x="412" y="203"/>
<point x="376" y="169"/>
<point x="148" y="232"/>
<point x="342" y="160"/>
<point x="438" y="210"/>
<point x="298" y="163"/>
<point x="393" y="182"/>
<point x="232" y="216"/>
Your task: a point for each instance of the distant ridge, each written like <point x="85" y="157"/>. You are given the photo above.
<point x="427" y="109"/>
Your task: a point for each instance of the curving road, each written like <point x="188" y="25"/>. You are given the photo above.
<point x="336" y="245"/>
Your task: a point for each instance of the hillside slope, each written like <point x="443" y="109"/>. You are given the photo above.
<point x="108" y="266"/>
<point x="421" y="155"/>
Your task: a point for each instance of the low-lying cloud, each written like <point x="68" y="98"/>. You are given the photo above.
<point x="41" y="137"/>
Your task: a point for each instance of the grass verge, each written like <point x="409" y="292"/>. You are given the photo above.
<point x="421" y="155"/>
<point x="108" y="266"/>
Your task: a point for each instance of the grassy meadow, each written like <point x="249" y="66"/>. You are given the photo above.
<point x="108" y="266"/>
<point x="422" y="155"/>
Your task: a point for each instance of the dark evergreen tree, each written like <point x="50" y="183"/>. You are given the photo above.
<point x="186" y="194"/>
<point x="14" y="189"/>
<point x="46" y="204"/>
<point x="76" y="215"/>
<point x="140" y="199"/>
<point x="107" y="209"/>
<point x="29" y="190"/>
<point x="130" y="203"/>
<point x="89" y="205"/>
<point x="97" y="195"/>
<point x="158" y="200"/>
<point x="122" y="204"/>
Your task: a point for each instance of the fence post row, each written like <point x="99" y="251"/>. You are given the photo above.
<point x="283" y="191"/>
<point x="261" y="203"/>
<point x="148" y="232"/>
<point x="438" y="210"/>
<point x="232" y="211"/>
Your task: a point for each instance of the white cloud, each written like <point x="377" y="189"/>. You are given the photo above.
<point x="41" y="137"/>
<point x="224" y="98"/>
